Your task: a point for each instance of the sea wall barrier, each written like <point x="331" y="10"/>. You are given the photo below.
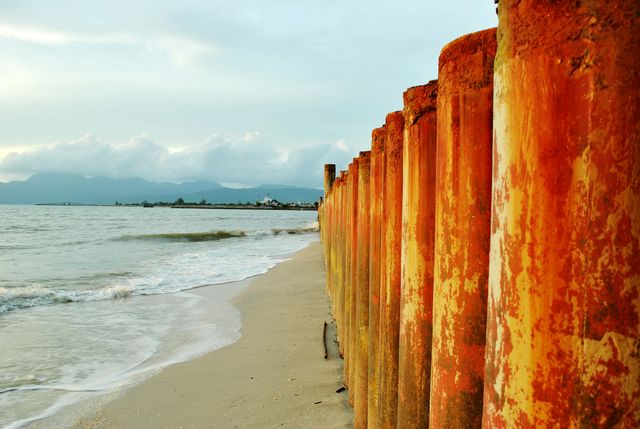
<point x="483" y="259"/>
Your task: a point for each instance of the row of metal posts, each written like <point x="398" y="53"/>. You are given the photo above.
<point x="483" y="259"/>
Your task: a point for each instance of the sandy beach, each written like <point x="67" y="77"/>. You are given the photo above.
<point x="274" y="376"/>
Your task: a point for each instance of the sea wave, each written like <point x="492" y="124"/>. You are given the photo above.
<point x="187" y="236"/>
<point x="212" y="265"/>
<point x="221" y="234"/>
<point x="17" y="298"/>
<point x="311" y="227"/>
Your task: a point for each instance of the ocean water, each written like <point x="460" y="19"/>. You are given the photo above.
<point x="96" y="298"/>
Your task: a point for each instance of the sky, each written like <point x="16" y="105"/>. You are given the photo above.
<point x="238" y="92"/>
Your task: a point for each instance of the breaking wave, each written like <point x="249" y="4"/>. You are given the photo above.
<point x="187" y="236"/>
<point x="311" y="227"/>
<point x="212" y="265"/>
<point x="16" y="298"/>
<point x="195" y="237"/>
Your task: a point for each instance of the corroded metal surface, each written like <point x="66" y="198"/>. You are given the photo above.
<point x="329" y="225"/>
<point x="341" y="268"/>
<point x="324" y="219"/>
<point x="418" y="228"/>
<point x="376" y="270"/>
<point x="390" y="288"/>
<point x="350" y="357"/>
<point x="346" y="303"/>
<point x="564" y="317"/>
<point x="463" y="215"/>
<point x="361" y="349"/>
<point x="329" y="177"/>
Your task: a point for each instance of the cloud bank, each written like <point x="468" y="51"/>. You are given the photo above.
<point x="250" y="160"/>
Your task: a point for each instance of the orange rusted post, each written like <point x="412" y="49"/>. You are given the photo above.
<point x="563" y="339"/>
<point x="418" y="229"/>
<point x="345" y="265"/>
<point x="329" y="177"/>
<point x="346" y="324"/>
<point x="329" y="235"/>
<point x="335" y="261"/>
<point x="341" y="265"/>
<point x="376" y="268"/>
<point x="352" y="279"/>
<point x="361" y="332"/>
<point x="390" y="290"/>
<point x="463" y="227"/>
<point x="330" y="227"/>
<point x="347" y="273"/>
<point x="321" y="219"/>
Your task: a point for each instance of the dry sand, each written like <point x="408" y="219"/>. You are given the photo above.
<point x="274" y="376"/>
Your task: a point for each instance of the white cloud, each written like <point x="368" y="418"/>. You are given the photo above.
<point x="181" y="50"/>
<point x="247" y="160"/>
<point x="301" y="71"/>
<point x="33" y="35"/>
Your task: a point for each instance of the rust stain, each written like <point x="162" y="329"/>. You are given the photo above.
<point x="390" y="287"/>
<point x="564" y="308"/>
<point x="376" y="271"/>
<point x="326" y="223"/>
<point x="462" y="230"/>
<point x="418" y="229"/>
<point x="362" y="292"/>
<point x="342" y="268"/>
<point x="353" y="278"/>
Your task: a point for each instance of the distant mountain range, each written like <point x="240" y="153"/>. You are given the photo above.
<point x="59" y="188"/>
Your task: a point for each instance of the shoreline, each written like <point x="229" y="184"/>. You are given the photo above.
<point x="284" y="207"/>
<point x="273" y="376"/>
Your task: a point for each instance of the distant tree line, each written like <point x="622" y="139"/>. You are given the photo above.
<point x="267" y="204"/>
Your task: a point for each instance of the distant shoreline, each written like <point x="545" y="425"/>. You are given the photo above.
<point x="243" y="207"/>
<point x="190" y="206"/>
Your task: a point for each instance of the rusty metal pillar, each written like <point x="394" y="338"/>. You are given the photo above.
<point x="341" y="266"/>
<point x="330" y="237"/>
<point x="463" y="227"/>
<point x="323" y="216"/>
<point x="337" y="210"/>
<point x="390" y="290"/>
<point x="563" y="340"/>
<point x="329" y="177"/>
<point x="418" y="229"/>
<point x="376" y="270"/>
<point x="332" y="232"/>
<point x="350" y="301"/>
<point x="361" y="332"/>
<point x="346" y="273"/>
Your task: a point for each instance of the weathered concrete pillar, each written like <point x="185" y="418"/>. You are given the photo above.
<point x="353" y="276"/>
<point x="361" y="332"/>
<point x="418" y="229"/>
<point x="463" y="225"/>
<point x="563" y="339"/>
<point x="376" y="270"/>
<point x="390" y="290"/>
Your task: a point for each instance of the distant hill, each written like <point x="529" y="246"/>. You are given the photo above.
<point x="55" y="188"/>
